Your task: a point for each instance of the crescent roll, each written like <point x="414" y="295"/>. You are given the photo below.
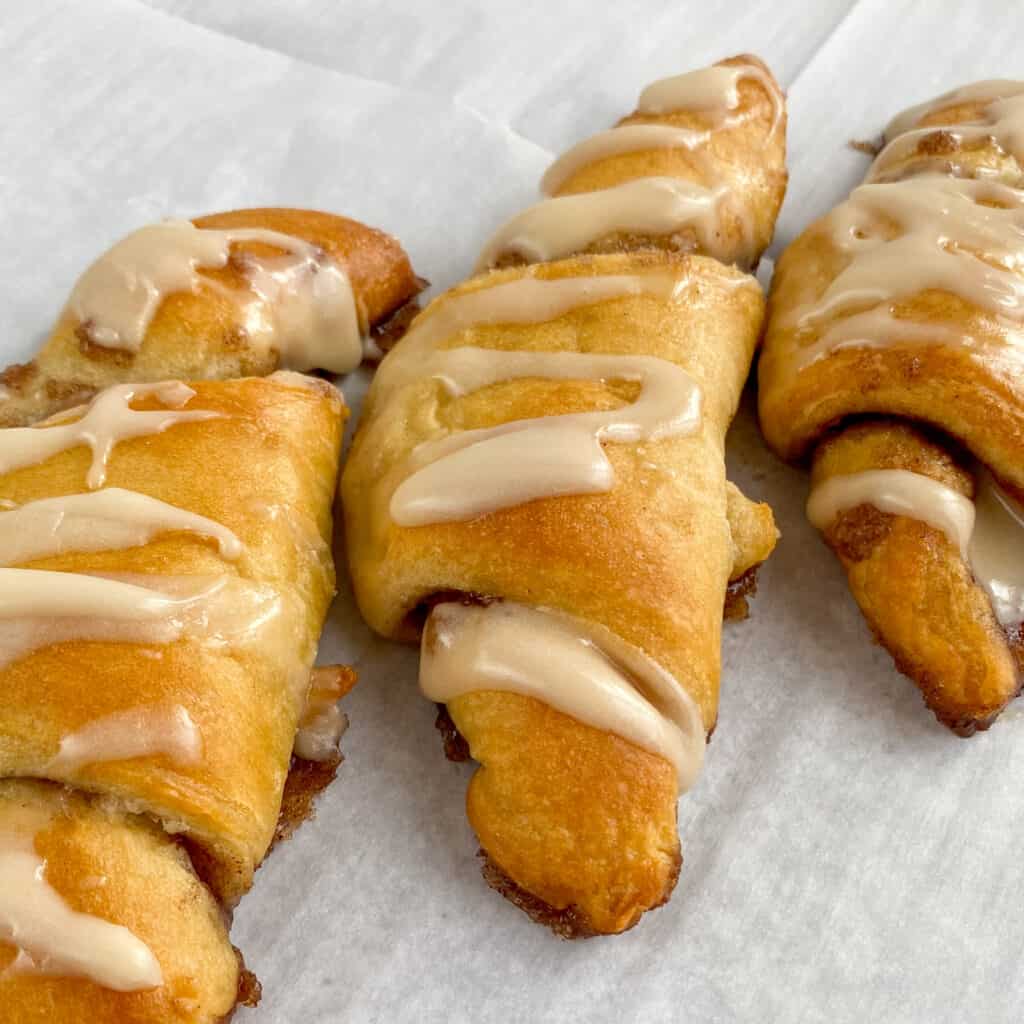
<point x="165" y="571"/>
<point x="699" y="166"/>
<point x="893" y="359"/>
<point x="537" y="492"/>
<point x="234" y="294"/>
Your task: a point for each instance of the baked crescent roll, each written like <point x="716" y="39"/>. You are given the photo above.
<point x="893" y="358"/>
<point x="699" y="166"/>
<point x="165" y="571"/>
<point x="537" y="490"/>
<point x="626" y="547"/>
<point x="232" y="294"/>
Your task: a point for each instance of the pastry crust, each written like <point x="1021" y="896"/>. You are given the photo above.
<point x="975" y="395"/>
<point x="123" y="868"/>
<point x="150" y="843"/>
<point x="600" y="839"/>
<point x="749" y="156"/>
<point x="752" y="529"/>
<point x="266" y="469"/>
<point x="580" y="819"/>
<point x="944" y="152"/>
<point x="952" y="368"/>
<point x="911" y="583"/>
<point x="202" y="335"/>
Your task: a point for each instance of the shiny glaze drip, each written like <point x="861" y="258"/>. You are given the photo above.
<point x="627" y="138"/>
<point x="524" y="300"/>
<point x="648" y="206"/>
<point x="997" y="549"/>
<point x="964" y="237"/>
<point x="39" y="608"/>
<point x="579" y="668"/>
<point x="149" y="731"/>
<point x="107" y="420"/>
<point x="475" y="472"/>
<point x="988" y="532"/>
<point x="879" y="328"/>
<point x="322" y="723"/>
<point x="898" y="492"/>
<point x="103" y="520"/>
<point x="713" y="89"/>
<point x="301" y="304"/>
<point x="51" y="938"/>
<point x="567" y="224"/>
<point x="1002" y="121"/>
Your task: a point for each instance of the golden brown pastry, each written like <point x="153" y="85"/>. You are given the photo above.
<point x="165" y="575"/>
<point x="537" y="488"/>
<point x="699" y="166"/>
<point x="893" y="358"/>
<point x="233" y="294"/>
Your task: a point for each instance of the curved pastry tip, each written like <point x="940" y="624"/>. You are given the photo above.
<point x="569" y="922"/>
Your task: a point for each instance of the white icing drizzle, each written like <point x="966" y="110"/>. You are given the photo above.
<point x="997" y="549"/>
<point x="104" y="520"/>
<point x="649" y="205"/>
<point x="944" y="229"/>
<point x="107" y="420"/>
<point x="627" y="138"/>
<point x="54" y="939"/>
<point x="975" y="92"/>
<point x="899" y="492"/>
<point x="145" y="731"/>
<point x="524" y="300"/>
<point x="322" y="723"/>
<point x="961" y="236"/>
<point x="561" y="226"/>
<point x="988" y="532"/>
<point x="1002" y="120"/>
<point x="302" y="303"/>
<point x="475" y="472"/>
<point x="579" y="668"/>
<point x="39" y="608"/>
<point x="879" y="328"/>
<point x="713" y="89"/>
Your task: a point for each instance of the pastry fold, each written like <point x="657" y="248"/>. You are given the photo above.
<point x="121" y="868"/>
<point x="971" y="392"/>
<point x="174" y="829"/>
<point x="580" y="822"/>
<point x="216" y="328"/>
<point x="894" y="346"/>
<point x="699" y="166"/>
<point x="537" y="491"/>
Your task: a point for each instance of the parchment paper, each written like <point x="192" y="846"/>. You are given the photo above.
<point x="846" y="859"/>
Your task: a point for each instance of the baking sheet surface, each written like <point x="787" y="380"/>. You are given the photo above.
<point x="846" y="859"/>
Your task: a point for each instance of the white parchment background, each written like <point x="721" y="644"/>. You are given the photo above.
<point x="846" y="859"/>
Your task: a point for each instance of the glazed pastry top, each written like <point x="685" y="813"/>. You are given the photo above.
<point x="474" y="472"/>
<point x="299" y="303"/>
<point x="908" y="298"/>
<point x="982" y="134"/>
<point x="988" y="531"/>
<point x="676" y="174"/>
<point x="229" y="295"/>
<point x="131" y="622"/>
<point x="52" y="937"/>
<point x="915" y="281"/>
<point x="518" y="391"/>
<point x="229" y="568"/>
<point x="578" y="667"/>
